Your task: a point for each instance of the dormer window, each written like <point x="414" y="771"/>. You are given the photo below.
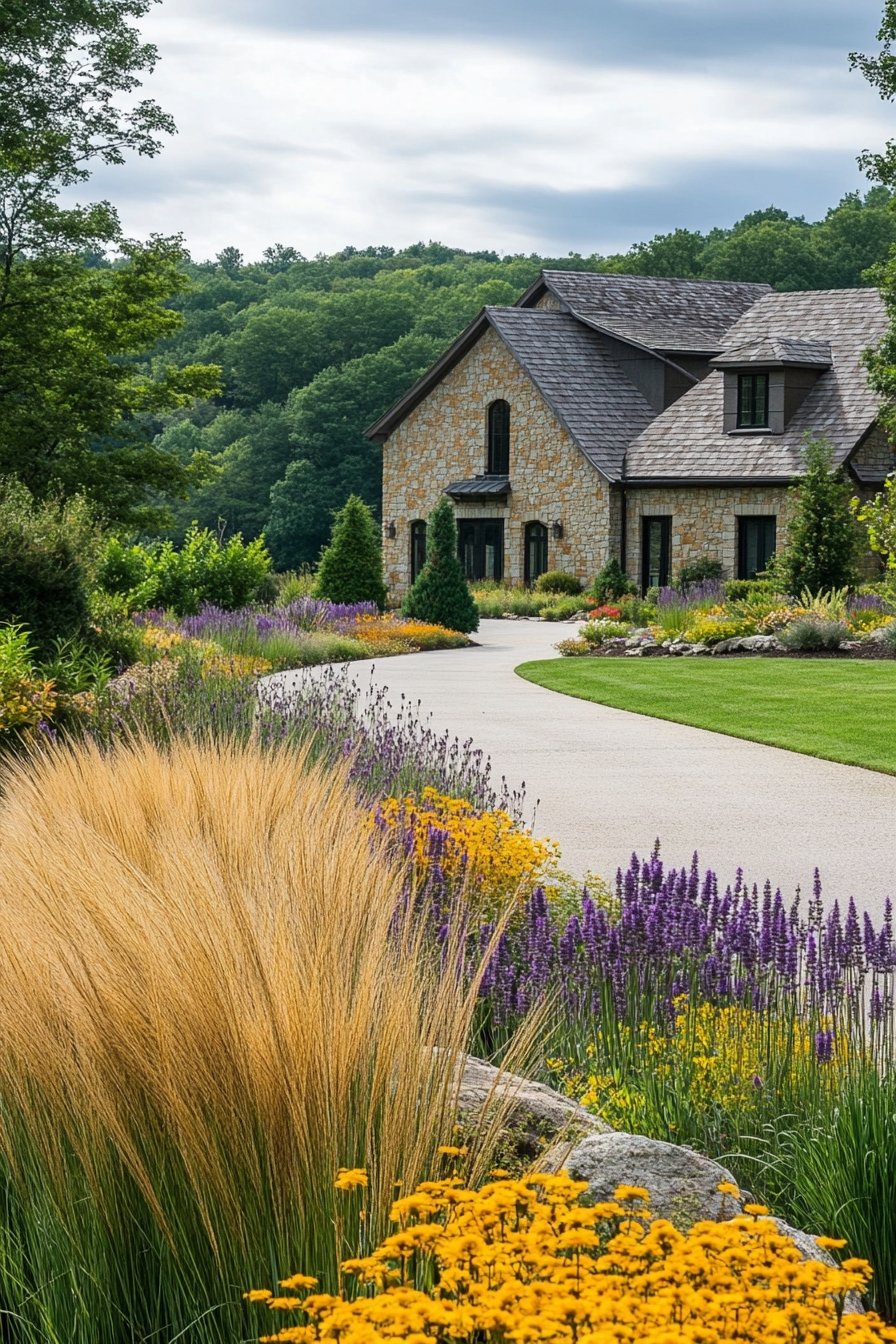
<point x="752" y="401"/>
<point x="498" y="462"/>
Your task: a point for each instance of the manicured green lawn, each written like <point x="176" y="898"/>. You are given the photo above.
<point x="844" y="711"/>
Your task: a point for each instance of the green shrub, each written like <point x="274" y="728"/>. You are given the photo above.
<point x="698" y="571"/>
<point x="204" y="569"/>
<point x="558" y="581"/>
<point x="561" y="609"/>
<point x="889" y="637"/>
<point x="824" y="539"/>
<point x="743" y="590"/>
<point x="811" y="634"/>
<point x="637" y="610"/>
<point x="440" y="594"/>
<point x="351" y="566"/>
<point x="611" y="583"/>
<point x="572" y="648"/>
<point x="111" y="632"/>
<point x="75" y="667"/>
<point x="44" y="568"/>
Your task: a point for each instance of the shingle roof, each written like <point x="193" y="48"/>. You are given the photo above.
<point x="777" y="350"/>
<point x="572" y="367"/>
<point x="655" y="311"/>
<point x="688" y="442"/>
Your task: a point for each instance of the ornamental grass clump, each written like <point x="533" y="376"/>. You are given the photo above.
<point x="209" y="1001"/>
<point x="527" y="1262"/>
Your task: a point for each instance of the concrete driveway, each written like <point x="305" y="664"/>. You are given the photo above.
<point x="609" y="782"/>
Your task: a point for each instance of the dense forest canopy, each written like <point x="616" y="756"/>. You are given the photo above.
<point x="313" y="350"/>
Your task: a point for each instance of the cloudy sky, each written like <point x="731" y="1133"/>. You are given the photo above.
<point x="519" y="125"/>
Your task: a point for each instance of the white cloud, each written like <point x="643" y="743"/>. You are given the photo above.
<point x="322" y="139"/>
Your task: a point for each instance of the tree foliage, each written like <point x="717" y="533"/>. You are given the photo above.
<point x="878" y="515"/>
<point x="440" y="593"/>
<point x="77" y="413"/>
<point x="823" y="541"/>
<point x="314" y="349"/>
<point x="351" y="567"/>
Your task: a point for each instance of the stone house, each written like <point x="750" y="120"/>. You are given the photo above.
<point x="656" y="420"/>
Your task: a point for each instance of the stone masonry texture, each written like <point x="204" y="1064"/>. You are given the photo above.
<point x="444" y="440"/>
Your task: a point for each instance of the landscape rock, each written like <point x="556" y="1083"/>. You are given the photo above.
<point x="748" y="644"/>
<point x="683" y="1185"/>
<point x="539" y="1123"/>
<point x="695" y="650"/>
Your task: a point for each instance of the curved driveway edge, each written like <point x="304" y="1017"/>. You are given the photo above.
<point x="609" y="782"/>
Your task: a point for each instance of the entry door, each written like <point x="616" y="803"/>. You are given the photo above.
<point x="480" y="544"/>
<point x="656" y="548"/>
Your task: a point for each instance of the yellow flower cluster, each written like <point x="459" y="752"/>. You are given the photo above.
<point x="525" y="1262"/>
<point x="711" y="1059"/>
<point x="213" y="660"/>
<point x="498" y="858"/>
<point x="395" y="634"/>
<point x="24" y="702"/>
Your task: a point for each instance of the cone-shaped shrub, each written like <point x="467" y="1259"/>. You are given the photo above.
<point x="440" y="593"/>
<point x="823" y="540"/>
<point x="351" y="567"/>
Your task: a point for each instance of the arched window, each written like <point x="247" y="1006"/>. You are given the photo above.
<point x="498" y="439"/>
<point x="418" y="547"/>
<point x="535" y="558"/>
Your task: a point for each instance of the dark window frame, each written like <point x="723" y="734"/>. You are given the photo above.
<point x="534" y="534"/>
<point x="752" y="408"/>
<point x="664" y="522"/>
<point x="746" y="522"/>
<point x="498" y="438"/>
<point x="417" y="543"/>
<point x="472" y="545"/>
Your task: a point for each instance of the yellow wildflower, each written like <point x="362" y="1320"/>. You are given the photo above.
<point x="350" y="1178"/>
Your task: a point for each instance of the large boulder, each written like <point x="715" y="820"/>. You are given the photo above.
<point x="537" y="1122"/>
<point x="683" y="1185"/>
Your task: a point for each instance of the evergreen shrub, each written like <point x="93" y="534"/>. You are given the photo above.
<point x="611" y="582"/>
<point x="351" y="566"/>
<point x="558" y="581"/>
<point x="823" y="538"/>
<point x="808" y="634"/>
<point x="440" y="593"/>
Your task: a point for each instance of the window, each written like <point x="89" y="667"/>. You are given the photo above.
<point x="752" y="401"/>
<point x="656" y="548"/>
<point x="755" y="545"/>
<point x="418" y="547"/>
<point x="535" y="558"/>
<point x="498" y="439"/>
<point x="480" y="545"/>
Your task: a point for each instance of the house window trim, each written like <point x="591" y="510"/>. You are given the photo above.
<point x="665" y="521"/>
<point x="751" y="426"/>
<point x="743" y="519"/>
<point x="497" y="438"/>
<point x="416" y="531"/>
<point x="528" y="533"/>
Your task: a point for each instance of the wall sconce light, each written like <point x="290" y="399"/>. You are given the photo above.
<point x="391" y="530"/>
<point x="556" y="529"/>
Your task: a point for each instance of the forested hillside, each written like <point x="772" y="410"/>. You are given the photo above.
<point x="313" y="350"/>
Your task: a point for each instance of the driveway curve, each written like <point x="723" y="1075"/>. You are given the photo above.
<point x="609" y="782"/>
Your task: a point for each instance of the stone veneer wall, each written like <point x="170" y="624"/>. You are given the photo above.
<point x="704" y="521"/>
<point x="444" y="440"/>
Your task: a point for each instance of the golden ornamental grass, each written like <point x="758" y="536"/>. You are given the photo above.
<point x="206" y="1010"/>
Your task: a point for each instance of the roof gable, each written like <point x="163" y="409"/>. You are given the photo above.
<point x="688" y="441"/>
<point x="572" y="368"/>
